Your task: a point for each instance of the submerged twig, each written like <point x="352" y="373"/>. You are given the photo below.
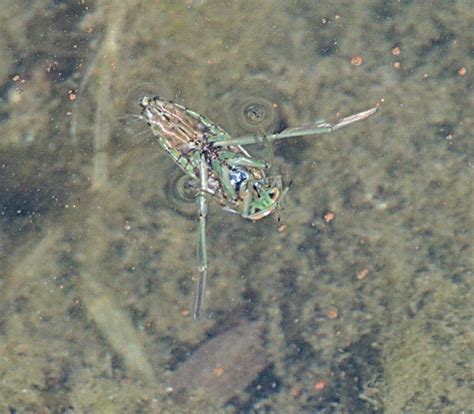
<point x="98" y="78"/>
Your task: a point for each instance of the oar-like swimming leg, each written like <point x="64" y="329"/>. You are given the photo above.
<point x="202" y="249"/>
<point x="318" y="127"/>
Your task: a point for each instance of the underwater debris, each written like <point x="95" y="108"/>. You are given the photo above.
<point x="225" y="365"/>
<point x="116" y="328"/>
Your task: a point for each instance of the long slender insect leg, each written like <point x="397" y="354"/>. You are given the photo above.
<point x="319" y="127"/>
<point x="202" y="249"/>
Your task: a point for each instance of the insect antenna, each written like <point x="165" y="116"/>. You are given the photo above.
<point x="122" y="122"/>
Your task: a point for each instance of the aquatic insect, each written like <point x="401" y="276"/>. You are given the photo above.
<point x="221" y="167"/>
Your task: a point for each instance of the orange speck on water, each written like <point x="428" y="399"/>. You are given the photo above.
<point x="329" y="216"/>
<point x="213" y="61"/>
<point x="72" y="96"/>
<point x="296" y="391"/>
<point x="362" y="274"/>
<point x="332" y="313"/>
<point x="396" y="51"/>
<point x="462" y="71"/>
<point x="356" y="60"/>
<point x="320" y="385"/>
<point x="218" y="371"/>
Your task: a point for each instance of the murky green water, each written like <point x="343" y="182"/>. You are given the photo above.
<point x="367" y="313"/>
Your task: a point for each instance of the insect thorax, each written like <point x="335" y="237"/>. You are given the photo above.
<point x="186" y="136"/>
